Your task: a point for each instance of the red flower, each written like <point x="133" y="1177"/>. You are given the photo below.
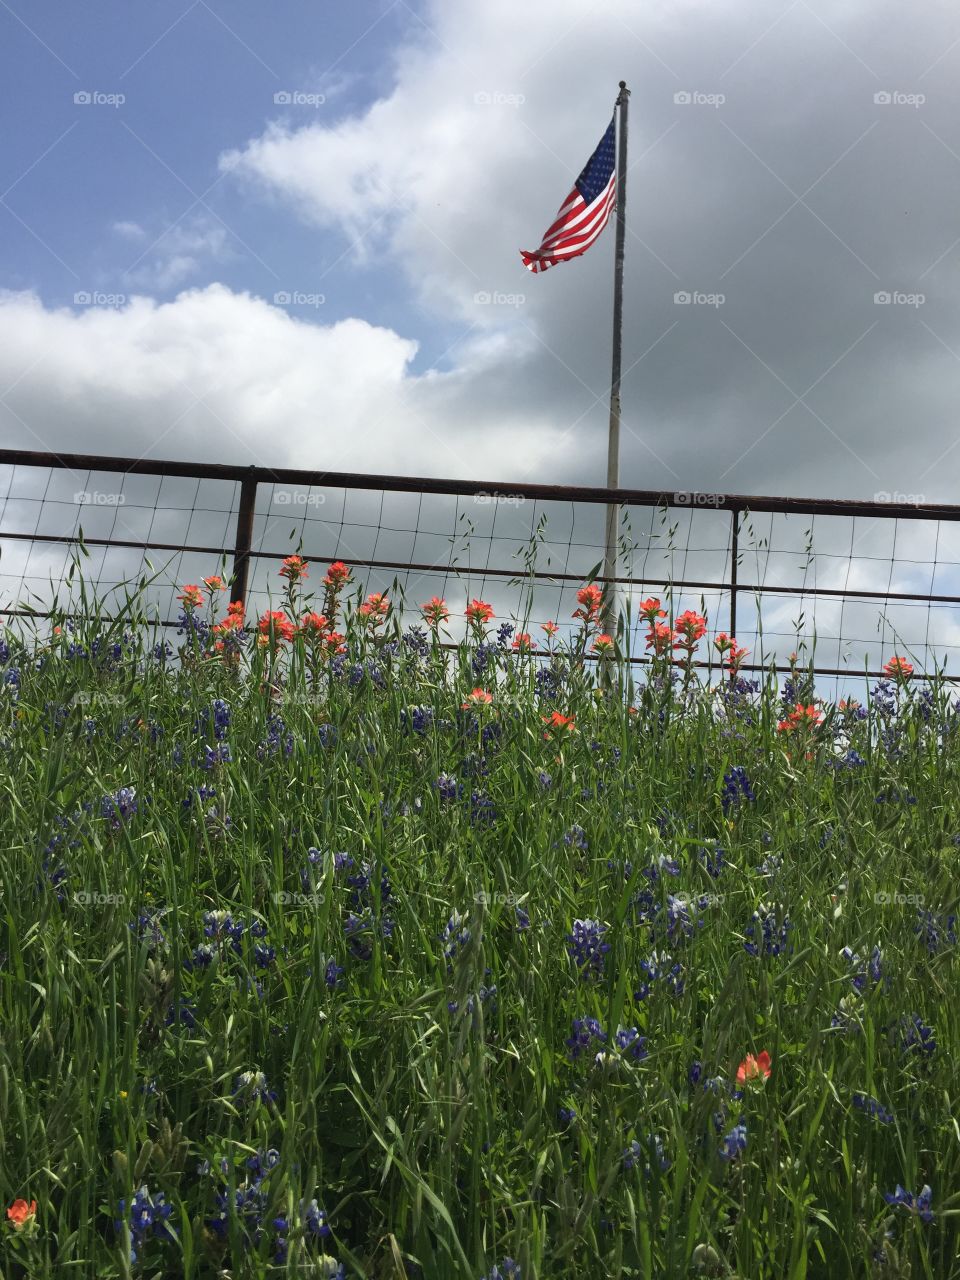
<point x="558" y="723"/>
<point x="376" y="607"/>
<point x="589" y="598"/>
<point x="192" y="596"/>
<point x="214" y="583"/>
<point x="477" y="698"/>
<point x="659" y="638"/>
<point x="435" y="611"/>
<point x="800" y="716"/>
<point x="523" y="642"/>
<point x="689" y="628"/>
<point x="550" y="628"/>
<point x="336" y="575"/>
<point x="603" y="644"/>
<point x="752" y="1068"/>
<point x="294" y="568"/>
<point x="478" y="611"/>
<point x="22" y="1214"/>
<point x="650" y="610"/>
<point x="276" y="621"/>
<point x="899" y="667"/>
<point x="313" y="625"/>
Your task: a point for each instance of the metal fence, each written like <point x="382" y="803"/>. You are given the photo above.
<point x="745" y="560"/>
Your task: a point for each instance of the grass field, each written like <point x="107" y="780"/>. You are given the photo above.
<point x="326" y="951"/>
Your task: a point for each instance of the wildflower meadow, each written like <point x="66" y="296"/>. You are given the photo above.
<point x="333" y="946"/>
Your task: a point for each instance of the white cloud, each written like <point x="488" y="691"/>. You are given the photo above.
<point x="218" y="375"/>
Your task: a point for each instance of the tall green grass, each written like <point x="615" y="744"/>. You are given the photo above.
<point x="424" y="1098"/>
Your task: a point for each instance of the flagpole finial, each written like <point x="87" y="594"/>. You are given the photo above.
<point x="623" y="84"/>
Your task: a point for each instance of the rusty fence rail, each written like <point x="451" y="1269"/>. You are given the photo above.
<point x="240" y="549"/>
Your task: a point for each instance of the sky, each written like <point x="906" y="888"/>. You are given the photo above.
<point x="290" y="235"/>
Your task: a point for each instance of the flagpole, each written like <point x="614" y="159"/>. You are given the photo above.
<point x="613" y="438"/>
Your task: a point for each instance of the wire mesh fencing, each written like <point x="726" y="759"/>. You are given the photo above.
<point x="843" y="584"/>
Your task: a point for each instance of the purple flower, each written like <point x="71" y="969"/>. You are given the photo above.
<point x="586" y="1033"/>
<point x="734" y="1142"/>
<point x="918" y="1205"/>
<point x="586" y="947"/>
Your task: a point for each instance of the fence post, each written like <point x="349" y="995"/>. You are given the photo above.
<point x="243" y="538"/>
<point x="734" y="552"/>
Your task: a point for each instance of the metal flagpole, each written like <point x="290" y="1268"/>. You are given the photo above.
<point x="613" y="440"/>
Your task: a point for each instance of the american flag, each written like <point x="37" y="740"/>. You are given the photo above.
<point x="584" y="213"/>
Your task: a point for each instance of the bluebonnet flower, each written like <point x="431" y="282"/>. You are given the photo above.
<point x="631" y="1043"/>
<point x="202" y="957"/>
<point x="120" y="807"/>
<point x="695" y="1072"/>
<point x="448" y="787"/>
<point x="252" y="1087"/>
<point x="507" y="1270"/>
<point x="917" y="1036"/>
<point x="212" y="756"/>
<point x="884" y="697"/>
<point x="768" y="934"/>
<point x="734" y="1142"/>
<point x="713" y="860"/>
<point x="736" y="788"/>
<point x="586" y="947"/>
<point x="587" y="1032"/>
<point x="279" y="738"/>
<point x="918" y="1205"/>
<point x="200" y="794"/>
<point x="456" y="935"/>
<point x="263" y="955"/>
<point x="483" y="811"/>
<point x="576" y="837"/>
<point x="650" y="1153"/>
<point x="566" y="1116"/>
<point x="544" y="779"/>
<point x="523" y="919"/>
<point x="314" y="1219"/>
<point x="4" y="651"/>
<point x="147" y="928"/>
<point x="863" y="1102"/>
<point x="547" y="683"/>
<point x="656" y="968"/>
<point x="416" y="719"/>
<point x="859" y="976"/>
<point x="416" y="641"/>
<point x="149" y="1216"/>
<point x="936" y="930"/>
<point x="332" y="974"/>
<point x="192" y="622"/>
<point x="481" y="658"/>
<point x="328" y="734"/>
<point x="681" y="922"/>
<point x="263" y="1162"/>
